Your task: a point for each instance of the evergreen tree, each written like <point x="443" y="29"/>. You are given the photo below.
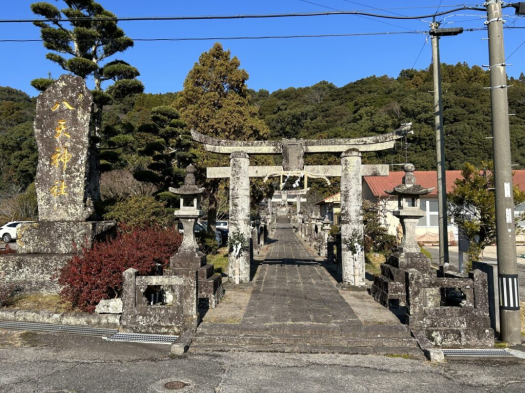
<point x="215" y="102"/>
<point x="472" y="206"/>
<point x="83" y="49"/>
<point x="168" y="150"/>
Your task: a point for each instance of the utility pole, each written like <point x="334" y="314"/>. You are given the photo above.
<point x="510" y="325"/>
<point x="435" y="32"/>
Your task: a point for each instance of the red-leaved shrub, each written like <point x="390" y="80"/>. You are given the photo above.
<point x="8" y="293"/>
<point x="96" y="274"/>
<point x="7" y="250"/>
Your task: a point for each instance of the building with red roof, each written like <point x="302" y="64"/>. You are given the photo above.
<point x="374" y="190"/>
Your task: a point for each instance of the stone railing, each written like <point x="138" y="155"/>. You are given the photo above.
<point x="159" y="304"/>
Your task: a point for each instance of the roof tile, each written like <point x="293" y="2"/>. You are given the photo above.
<point x="427" y="179"/>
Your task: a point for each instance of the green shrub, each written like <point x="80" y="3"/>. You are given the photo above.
<point x="334" y="230"/>
<point x="207" y="242"/>
<point x="140" y="211"/>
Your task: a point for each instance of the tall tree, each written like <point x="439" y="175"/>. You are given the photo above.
<point x="215" y="102"/>
<point x="472" y="206"/>
<point x="82" y="46"/>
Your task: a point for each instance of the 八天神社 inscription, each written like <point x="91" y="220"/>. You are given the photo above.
<point x="62" y="132"/>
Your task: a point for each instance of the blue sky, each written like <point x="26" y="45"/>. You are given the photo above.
<point x="271" y="64"/>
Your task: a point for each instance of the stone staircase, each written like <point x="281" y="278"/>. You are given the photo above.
<point x="307" y="338"/>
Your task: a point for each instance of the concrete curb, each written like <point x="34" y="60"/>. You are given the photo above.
<point x="434" y="355"/>
<point x="109" y="321"/>
<point x="182" y="344"/>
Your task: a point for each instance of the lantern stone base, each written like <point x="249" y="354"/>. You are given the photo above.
<point x="389" y="288"/>
<point x="209" y="284"/>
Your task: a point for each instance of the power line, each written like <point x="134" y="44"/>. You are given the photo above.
<point x="420" y="51"/>
<point x="360" y="16"/>
<point x="423" y="6"/>
<point x="515" y="50"/>
<point x="319" y="5"/>
<point x="244" y="37"/>
<point x="439" y="6"/>
<point x="248" y="16"/>
<point x="374" y="8"/>
<point x="269" y="37"/>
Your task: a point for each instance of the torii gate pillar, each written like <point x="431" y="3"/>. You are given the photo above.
<point x="239" y="265"/>
<point x="353" y="263"/>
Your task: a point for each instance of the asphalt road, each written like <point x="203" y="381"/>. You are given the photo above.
<point x="69" y="363"/>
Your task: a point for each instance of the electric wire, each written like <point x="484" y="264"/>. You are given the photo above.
<point x="360" y="16"/>
<point x="439" y="6"/>
<point x="247" y="16"/>
<point x="246" y="37"/>
<point x="420" y="51"/>
<point x="374" y="8"/>
<point x="271" y="37"/>
<point x="515" y="50"/>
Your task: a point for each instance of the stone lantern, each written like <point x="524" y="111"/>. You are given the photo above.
<point x="188" y="254"/>
<point x="409" y="211"/>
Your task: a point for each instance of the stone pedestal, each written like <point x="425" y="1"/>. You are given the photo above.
<point x="239" y="264"/>
<point x="389" y="288"/>
<point x="61" y="237"/>
<point x="353" y="264"/>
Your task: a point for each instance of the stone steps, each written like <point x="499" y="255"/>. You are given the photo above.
<point x="411" y="352"/>
<point x="306" y="338"/>
<point x="330" y="341"/>
<point x="305" y="330"/>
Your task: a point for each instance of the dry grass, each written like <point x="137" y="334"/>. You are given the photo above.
<point x="373" y="263"/>
<point x="38" y="302"/>
<point x="219" y="260"/>
<point x="398" y="355"/>
<point x="522" y="318"/>
<point x="17" y="339"/>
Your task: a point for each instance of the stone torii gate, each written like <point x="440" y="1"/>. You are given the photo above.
<point x="293" y="151"/>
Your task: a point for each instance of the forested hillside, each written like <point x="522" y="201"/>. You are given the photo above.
<point x="376" y="105"/>
<point x="18" y="153"/>
<point x="366" y="107"/>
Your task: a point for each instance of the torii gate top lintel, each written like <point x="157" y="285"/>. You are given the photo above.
<point x="293" y="151"/>
<point x="372" y="143"/>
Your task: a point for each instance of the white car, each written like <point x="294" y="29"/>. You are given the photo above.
<point x="8" y="231"/>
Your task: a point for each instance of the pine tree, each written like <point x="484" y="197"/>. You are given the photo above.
<point x="215" y="102"/>
<point x="168" y="149"/>
<point x="83" y="47"/>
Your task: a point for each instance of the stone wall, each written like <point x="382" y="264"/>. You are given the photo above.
<point x="33" y="272"/>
